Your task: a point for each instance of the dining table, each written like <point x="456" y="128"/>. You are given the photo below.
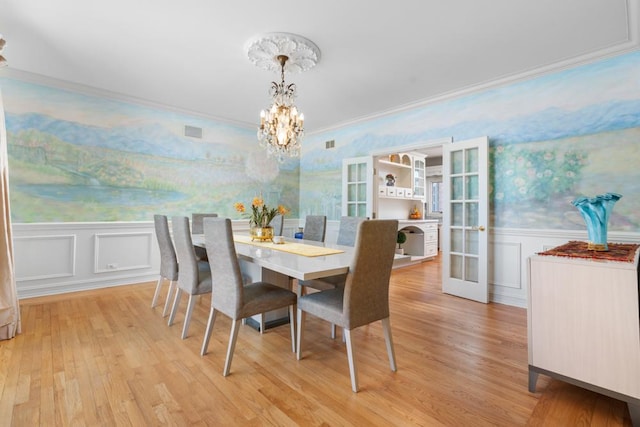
<point x="282" y="263"/>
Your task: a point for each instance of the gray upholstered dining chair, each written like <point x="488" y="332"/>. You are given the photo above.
<point x="315" y="227"/>
<point x="278" y="224"/>
<point x="347" y="237"/>
<point x="365" y="296"/>
<point x="231" y="296"/>
<point x="168" y="261"/>
<point x="194" y="277"/>
<point x="196" y="228"/>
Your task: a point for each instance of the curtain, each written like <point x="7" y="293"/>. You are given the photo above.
<point x="9" y="309"/>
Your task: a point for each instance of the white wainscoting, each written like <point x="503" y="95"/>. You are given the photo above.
<point x="66" y="257"/>
<point x="56" y="258"/>
<point x="510" y="250"/>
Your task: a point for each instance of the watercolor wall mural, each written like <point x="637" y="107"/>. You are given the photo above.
<point x="77" y="157"/>
<point x="80" y="158"/>
<point x="552" y="138"/>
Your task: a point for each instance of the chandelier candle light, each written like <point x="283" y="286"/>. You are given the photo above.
<point x="282" y="125"/>
<point x="3" y="61"/>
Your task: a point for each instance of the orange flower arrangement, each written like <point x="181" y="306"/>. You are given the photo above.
<point x="261" y="215"/>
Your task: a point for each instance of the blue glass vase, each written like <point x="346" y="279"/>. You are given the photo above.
<point x="596" y="211"/>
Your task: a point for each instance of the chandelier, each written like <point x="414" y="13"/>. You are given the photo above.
<point x="281" y="127"/>
<point x="3" y="62"/>
<point x="282" y="124"/>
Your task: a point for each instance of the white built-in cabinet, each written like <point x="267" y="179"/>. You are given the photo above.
<point x="398" y="196"/>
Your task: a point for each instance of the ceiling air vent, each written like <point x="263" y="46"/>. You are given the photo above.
<point x="193" y="132"/>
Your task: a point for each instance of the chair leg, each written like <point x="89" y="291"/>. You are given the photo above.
<point x="386" y="328"/>
<point x="333" y="331"/>
<point x="172" y="286"/>
<point x="207" y="332"/>
<point x="301" y="317"/>
<point x="154" y="301"/>
<point x="174" y="309"/>
<point x="352" y="361"/>
<point x="187" y="317"/>
<point x="232" y="345"/>
<point x="292" y="324"/>
<point x="261" y="323"/>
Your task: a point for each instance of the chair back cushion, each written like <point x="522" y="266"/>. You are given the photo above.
<point x="196" y="221"/>
<point x="188" y="277"/>
<point x="168" y="260"/>
<point x="366" y="293"/>
<point x="348" y="230"/>
<point x="315" y="227"/>
<point x="228" y="294"/>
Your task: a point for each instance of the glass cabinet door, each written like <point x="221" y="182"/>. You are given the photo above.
<point x="419" y="178"/>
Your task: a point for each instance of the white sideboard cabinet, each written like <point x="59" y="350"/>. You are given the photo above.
<point x="584" y="324"/>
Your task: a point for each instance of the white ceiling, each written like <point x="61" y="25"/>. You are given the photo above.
<point x="375" y="56"/>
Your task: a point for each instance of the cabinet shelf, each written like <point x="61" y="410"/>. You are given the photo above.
<point x="400" y="165"/>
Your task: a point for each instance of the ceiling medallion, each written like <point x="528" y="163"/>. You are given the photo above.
<point x="263" y="51"/>
<point x="282" y="125"/>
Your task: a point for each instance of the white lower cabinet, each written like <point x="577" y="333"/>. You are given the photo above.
<point x="584" y="325"/>
<point x="422" y="238"/>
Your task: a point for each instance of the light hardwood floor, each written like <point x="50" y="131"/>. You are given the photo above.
<point x="106" y="358"/>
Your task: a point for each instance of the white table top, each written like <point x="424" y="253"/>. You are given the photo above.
<point x="297" y="266"/>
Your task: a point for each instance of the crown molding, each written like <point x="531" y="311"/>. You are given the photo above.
<point x="631" y="44"/>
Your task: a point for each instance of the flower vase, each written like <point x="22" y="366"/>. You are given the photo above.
<point x="262" y="233"/>
<point x="596" y="211"/>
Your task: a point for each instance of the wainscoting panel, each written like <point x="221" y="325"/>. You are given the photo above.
<point x="45" y="257"/>
<point x="504" y="264"/>
<point x="123" y="251"/>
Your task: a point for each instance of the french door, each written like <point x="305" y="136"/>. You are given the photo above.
<point x="465" y="219"/>
<point x="357" y="187"/>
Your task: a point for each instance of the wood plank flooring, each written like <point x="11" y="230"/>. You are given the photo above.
<point x="105" y="358"/>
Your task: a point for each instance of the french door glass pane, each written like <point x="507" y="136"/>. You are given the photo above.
<point x="471" y="269"/>
<point x="351" y="209"/>
<point x="472" y="187"/>
<point x="352" y="172"/>
<point x="362" y="210"/>
<point x="362" y="192"/>
<point x="456" y="162"/>
<point x="456" y="214"/>
<point x="362" y="172"/>
<point x="471" y="160"/>
<point x="471" y="242"/>
<point x="456" y="266"/>
<point x="456" y="188"/>
<point x="352" y="192"/>
<point x="471" y="211"/>
<point x="456" y="240"/>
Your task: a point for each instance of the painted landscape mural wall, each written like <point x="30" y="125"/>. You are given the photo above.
<point x="76" y="157"/>
<point x="81" y="158"/>
<point x="552" y="139"/>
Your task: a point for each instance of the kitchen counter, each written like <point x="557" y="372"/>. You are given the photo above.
<point x="404" y="222"/>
